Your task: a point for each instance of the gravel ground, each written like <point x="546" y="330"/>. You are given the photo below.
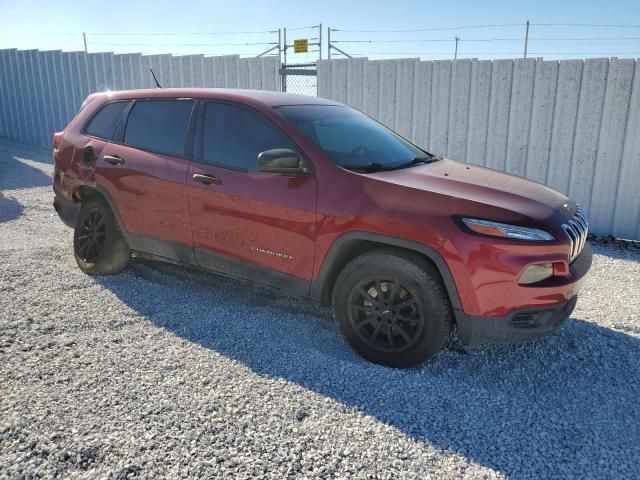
<point x="169" y="372"/>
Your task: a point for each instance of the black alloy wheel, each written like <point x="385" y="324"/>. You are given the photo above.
<point x="91" y="235"/>
<point x="385" y="314"/>
<point x="392" y="307"/>
<point x="98" y="244"/>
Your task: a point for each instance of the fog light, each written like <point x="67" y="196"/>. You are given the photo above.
<point x="536" y="273"/>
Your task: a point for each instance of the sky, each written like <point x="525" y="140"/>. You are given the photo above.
<point x="376" y="29"/>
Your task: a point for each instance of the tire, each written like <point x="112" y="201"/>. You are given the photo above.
<point x="403" y="326"/>
<point x="98" y="243"/>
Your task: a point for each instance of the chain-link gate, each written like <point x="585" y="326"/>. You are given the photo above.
<point x="300" y="78"/>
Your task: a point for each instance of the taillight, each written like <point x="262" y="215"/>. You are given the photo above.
<point x="56" y="139"/>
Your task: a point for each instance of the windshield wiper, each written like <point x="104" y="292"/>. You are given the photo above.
<point x="419" y="160"/>
<point x="368" y="168"/>
<point x="379" y="167"/>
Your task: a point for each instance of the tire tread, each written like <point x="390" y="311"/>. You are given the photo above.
<point x="423" y="272"/>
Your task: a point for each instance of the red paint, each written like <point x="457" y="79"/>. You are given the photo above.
<point x="250" y="213"/>
<point x="150" y="192"/>
<point x="301" y="217"/>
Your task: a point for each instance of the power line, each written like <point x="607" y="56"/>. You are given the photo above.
<point x="496" y="53"/>
<point x="462" y="27"/>
<point x="459" y="27"/>
<point x="583" y="25"/>
<point x="586" y="53"/>
<point x="428" y="29"/>
<point x="126" y="34"/>
<point x="555" y="39"/>
<point x="408" y="40"/>
<point x="183" y="44"/>
<point x="301" y="28"/>
<point x="519" y="39"/>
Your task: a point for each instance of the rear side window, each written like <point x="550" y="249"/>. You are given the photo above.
<point x="233" y="136"/>
<point x="104" y="123"/>
<point x="159" y="126"/>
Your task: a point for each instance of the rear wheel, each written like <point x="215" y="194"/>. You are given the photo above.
<point x="98" y="244"/>
<point x="392" y="308"/>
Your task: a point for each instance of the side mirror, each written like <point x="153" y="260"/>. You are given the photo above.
<point x="282" y="161"/>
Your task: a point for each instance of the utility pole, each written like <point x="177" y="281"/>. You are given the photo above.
<point x="284" y="65"/>
<point x="320" y="42"/>
<point x="284" y="45"/>
<point x="455" y="55"/>
<point x="84" y="37"/>
<point x="526" y="39"/>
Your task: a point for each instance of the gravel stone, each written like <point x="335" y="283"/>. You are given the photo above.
<point x="168" y="372"/>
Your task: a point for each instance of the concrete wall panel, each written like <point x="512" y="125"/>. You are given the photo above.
<point x="573" y="124"/>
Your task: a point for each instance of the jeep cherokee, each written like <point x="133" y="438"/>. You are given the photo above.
<point x="310" y="196"/>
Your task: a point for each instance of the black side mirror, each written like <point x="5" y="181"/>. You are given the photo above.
<point x="282" y="161"/>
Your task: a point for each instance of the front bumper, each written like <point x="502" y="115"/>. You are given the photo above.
<point x="533" y="319"/>
<point x="519" y="326"/>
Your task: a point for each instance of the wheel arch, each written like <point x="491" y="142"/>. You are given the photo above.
<point x="352" y="244"/>
<point x="86" y="192"/>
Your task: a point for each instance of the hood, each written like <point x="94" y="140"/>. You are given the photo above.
<point x="485" y="186"/>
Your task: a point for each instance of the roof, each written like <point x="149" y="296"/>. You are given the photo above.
<point x="264" y="97"/>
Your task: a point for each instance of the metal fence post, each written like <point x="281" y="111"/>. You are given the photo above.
<point x="284" y="65"/>
<point x="526" y="39"/>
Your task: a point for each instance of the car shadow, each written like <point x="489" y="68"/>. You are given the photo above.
<point x="10" y="208"/>
<point x="16" y="174"/>
<point x="10" y="148"/>
<point x="530" y="410"/>
<point x="19" y="166"/>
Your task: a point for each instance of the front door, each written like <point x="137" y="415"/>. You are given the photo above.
<point x="249" y="224"/>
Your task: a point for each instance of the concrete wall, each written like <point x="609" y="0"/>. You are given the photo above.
<point x="40" y="91"/>
<point x="573" y="124"/>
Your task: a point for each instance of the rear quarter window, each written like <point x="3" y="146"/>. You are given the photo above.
<point x="104" y="123"/>
<point x="159" y="126"/>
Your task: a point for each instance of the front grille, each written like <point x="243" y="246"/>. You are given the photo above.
<point x="577" y="229"/>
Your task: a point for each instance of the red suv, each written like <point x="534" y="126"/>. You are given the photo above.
<point x="313" y="197"/>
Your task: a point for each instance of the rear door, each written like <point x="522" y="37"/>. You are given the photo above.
<point x="96" y="133"/>
<point x="248" y="224"/>
<point x="145" y="171"/>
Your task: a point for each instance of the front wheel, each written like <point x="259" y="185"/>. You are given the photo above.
<point x="392" y="308"/>
<point x="98" y="244"/>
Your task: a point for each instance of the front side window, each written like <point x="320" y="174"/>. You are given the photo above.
<point x="234" y="136"/>
<point x="159" y="126"/>
<point x="104" y="123"/>
<point x="351" y="139"/>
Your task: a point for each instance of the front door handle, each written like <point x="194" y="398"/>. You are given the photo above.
<point x="113" y="159"/>
<point x="206" y="179"/>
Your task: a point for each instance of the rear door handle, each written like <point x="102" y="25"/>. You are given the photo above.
<point x="206" y="179"/>
<point x="113" y="159"/>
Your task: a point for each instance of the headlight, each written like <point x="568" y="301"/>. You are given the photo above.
<point x="504" y="230"/>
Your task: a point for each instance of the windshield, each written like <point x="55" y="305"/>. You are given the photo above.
<point x="351" y="139"/>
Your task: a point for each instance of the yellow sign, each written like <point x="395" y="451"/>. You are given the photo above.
<point x="301" y="45"/>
